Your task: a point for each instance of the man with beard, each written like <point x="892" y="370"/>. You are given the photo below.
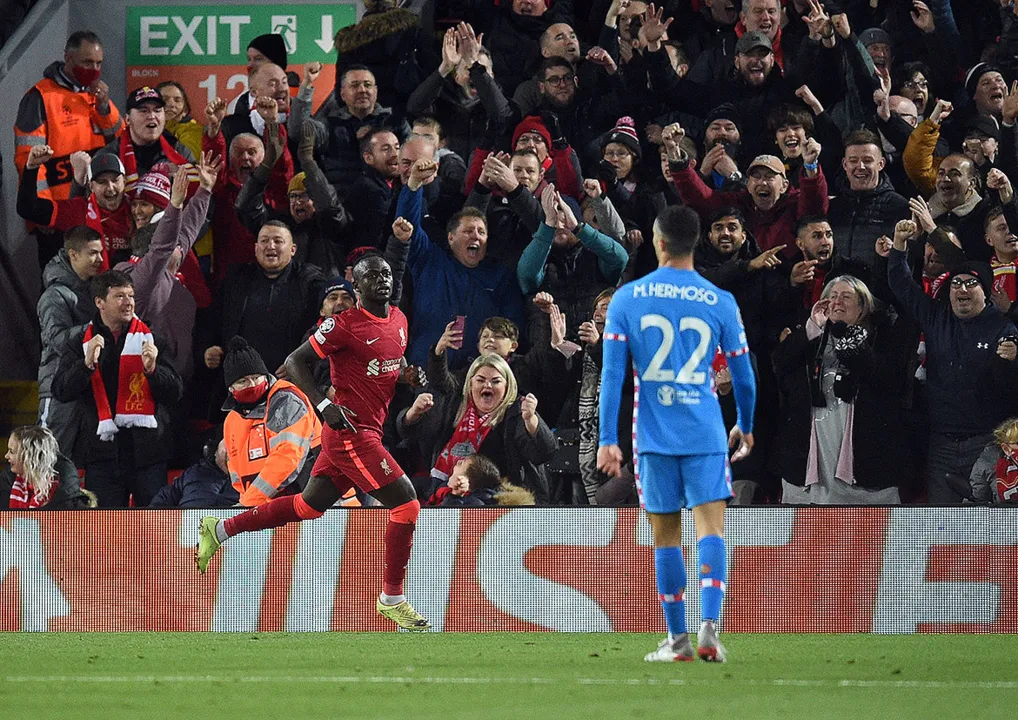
<point x="970" y="363"/>
<point x="815" y="263"/>
<point x="719" y="167"/>
<point x="370" y="198"/>
<point x="756" y="16"/>
<point x="106" y="209"/>
<point x="770" y="207"/>
<point x="574" y="114"/>
<point x="729" y="257"/>
<point x="868" y="207"/>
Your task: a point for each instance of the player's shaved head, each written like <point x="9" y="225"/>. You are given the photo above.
<point x="676" y="230"/>
<point x="369" y="260"/>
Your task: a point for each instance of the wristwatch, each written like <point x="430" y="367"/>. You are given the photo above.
<point x="735" y="177"/>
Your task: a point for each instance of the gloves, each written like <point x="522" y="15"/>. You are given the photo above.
<point x="550" y="120"/>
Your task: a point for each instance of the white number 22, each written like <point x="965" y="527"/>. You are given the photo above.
<point x="688" y="375"/>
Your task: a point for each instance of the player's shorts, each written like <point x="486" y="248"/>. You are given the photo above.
<point x="356" y="459"/>
<point x="668" y="483"/>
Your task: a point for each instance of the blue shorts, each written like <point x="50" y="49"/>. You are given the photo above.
<point x="668" y="483"/>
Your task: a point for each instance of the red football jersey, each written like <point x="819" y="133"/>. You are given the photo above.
<point x="365" y="354"/>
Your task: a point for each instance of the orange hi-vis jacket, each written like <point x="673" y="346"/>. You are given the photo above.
<point x="271" y="445"/>
<point x="56" y="113"/>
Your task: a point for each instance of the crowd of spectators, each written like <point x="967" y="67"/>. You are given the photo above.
<point x="852" y="163"/>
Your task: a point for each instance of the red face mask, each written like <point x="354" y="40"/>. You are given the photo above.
<point x="251" y="395"/>
<point x="86" y="77"/>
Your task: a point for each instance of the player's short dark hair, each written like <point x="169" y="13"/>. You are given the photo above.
<point x="680" y="228"/>
<point x="995" y="212"/>
<point x="501" y="326"/>
<point x="555" y="61"/>
<point x="807" y="220"/>
<point x="101" y="284"/>
<point x="79" y="236"/>
<point x="482" y="473"/>
<point x="79" y="38"/>
<point x="467" y="212"/>
<point x="353" y="68"/>
<point x="429" y="121"/>
<point x="366" y="258"/>
<point x="863" y="137"/>
<point x="723" y="212"/>
<point x="789" y="116"/>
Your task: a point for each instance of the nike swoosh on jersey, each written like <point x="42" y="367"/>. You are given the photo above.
<point x="371" y="342"/>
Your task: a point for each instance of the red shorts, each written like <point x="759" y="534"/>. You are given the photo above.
<point x="356" y="459"/>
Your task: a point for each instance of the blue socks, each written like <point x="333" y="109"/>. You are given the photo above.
<point x="671" y="587"/>
<point x="711" y="550"/>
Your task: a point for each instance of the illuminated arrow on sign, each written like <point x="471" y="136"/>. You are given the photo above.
<point x="326" y="42"/>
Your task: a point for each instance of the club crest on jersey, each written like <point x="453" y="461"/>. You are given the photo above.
<point x="325" y="328"/>
<point x="402" y="337"/>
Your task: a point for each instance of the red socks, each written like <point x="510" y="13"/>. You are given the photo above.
<point x="398" y="541"/>
<point x="270" y="515"/>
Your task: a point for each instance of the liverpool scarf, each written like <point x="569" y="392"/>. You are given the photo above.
<point x="1004" y="278"/>
<point x="135" y="406"/>
<point x="131" y="162"/>
<point x="466" y="440"/>
<point x="25" y="497"/>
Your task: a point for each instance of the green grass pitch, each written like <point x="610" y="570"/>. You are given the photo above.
<point x="205" y="676"/>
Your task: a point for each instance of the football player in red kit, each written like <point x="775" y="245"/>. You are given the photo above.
<point x="365" y="347"/>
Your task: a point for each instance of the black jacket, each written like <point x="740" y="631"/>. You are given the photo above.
<point x="513" y="219"/>
<point x="519" y="456"/>
<point x="971" y="389"/>
<point x="66" y="496"/>
<point x="369" y="200"/>
<point x="131" y="447"/>
<point x="270" y="313"/>
<point x="859" y="218"/>
<point x="879" y="448"/>
<point x="202" y="485"/>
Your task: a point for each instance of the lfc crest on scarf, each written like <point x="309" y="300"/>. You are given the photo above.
<point x="135" y="406"/>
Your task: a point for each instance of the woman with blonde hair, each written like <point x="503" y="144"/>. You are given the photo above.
<point x="484" y="417"/>
<point x="842" y="376"/>
<point x="38" y="476"/>
<point x="994" y="477"/>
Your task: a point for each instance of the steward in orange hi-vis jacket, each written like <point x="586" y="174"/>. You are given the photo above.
<point x="70" y="110"/>
<point x="272" y="434"/>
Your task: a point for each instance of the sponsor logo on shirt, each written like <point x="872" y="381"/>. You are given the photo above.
<point x="378" y="367"/>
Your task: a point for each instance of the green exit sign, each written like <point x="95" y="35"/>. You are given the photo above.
<point x="219" y="34"/>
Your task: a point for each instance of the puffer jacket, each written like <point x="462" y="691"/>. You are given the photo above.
<point x="66" y="304"/>
<point x="859" y="218"/>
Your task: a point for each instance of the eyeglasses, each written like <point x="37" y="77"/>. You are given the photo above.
<point x="915" y="84"/>
<point x="559" y="79"/>
<point x="616" y="154"/>
<point x="967" y="283"/>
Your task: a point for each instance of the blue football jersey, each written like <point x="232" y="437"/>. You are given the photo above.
<point x="672" y="322"/>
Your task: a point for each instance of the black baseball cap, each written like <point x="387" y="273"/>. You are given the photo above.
<point x="752" y="40"/>
<point x="142" y="95"/>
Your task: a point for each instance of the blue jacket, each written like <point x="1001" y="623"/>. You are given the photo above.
<point x="444" y="288"/>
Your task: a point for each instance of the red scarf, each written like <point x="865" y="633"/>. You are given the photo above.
<point x="466" y="440"/>
<point x="131" y="162"/>
<point x="120" y="221"/>
<point x="24" y="496"/>
<point x="1005" y="486"/>
<point x="1004" y="277"/>
<point x="135" y="406"/>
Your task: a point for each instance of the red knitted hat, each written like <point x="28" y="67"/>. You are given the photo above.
<point x="155" y="188"/>
<point x="531" y="124"/>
